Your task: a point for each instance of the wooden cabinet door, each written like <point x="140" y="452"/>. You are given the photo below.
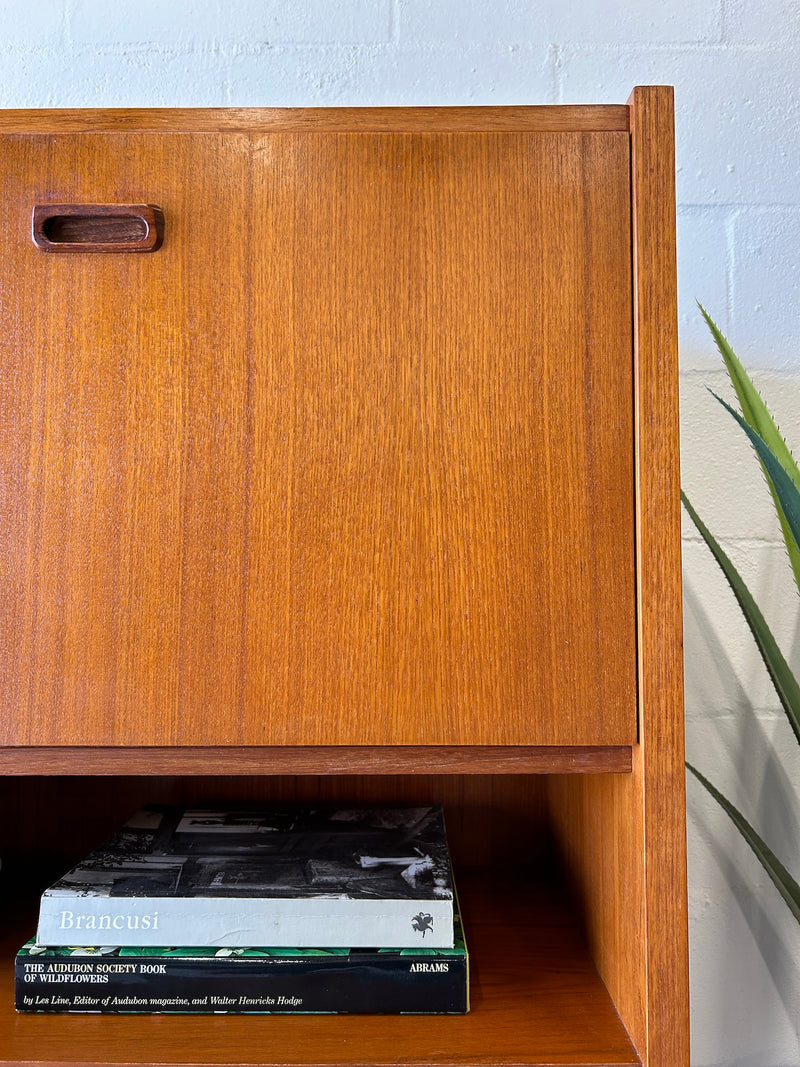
<point x="348" y="460"/>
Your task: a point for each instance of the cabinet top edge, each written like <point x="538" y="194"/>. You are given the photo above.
<point x="544" y="118"/>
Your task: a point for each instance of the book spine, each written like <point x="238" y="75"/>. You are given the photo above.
<point x="67" y="919"/>
<point x="391" y="985"/>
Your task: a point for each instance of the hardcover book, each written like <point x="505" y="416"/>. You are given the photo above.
<point x="284" y="876"/>
<point x="242" y="980"/>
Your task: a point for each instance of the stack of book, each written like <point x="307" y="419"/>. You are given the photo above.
<point x="357" y="906"/>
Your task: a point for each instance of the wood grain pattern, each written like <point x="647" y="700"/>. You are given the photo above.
<point x="536" y="999"/>
<point x="548" y="118"/>
<point x="636" y="824"/>
<point x="100" y="388"/>
<point x="408" y="357"/>
<point x="347" y="462"/>
<point x="660" y="642"/>
<point x="324" y="759"/>
<point x="492" y="819"/>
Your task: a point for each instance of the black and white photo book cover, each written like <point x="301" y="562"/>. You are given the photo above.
<point x="287" y="875"/>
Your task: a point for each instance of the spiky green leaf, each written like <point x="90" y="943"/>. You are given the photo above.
<point x="754" y="409"/>
<point x="779" y="670"/>
<point x="787" y="492"/>
<point x="782" y="879"/>
<point x="758" y="417"/>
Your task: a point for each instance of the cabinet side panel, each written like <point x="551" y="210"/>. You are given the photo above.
<point x="597" y="824"/>
<point x="624" y="837"/>
<point x="660" y="630"/>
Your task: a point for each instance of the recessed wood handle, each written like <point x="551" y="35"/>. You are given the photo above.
<point x="97" y="227"/>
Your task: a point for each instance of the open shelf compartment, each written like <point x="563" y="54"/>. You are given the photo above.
<point x="536" y="998"/>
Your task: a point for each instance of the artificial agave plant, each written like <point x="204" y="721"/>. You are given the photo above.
<point x="783" y="478"/>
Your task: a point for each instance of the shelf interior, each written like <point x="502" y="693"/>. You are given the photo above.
<point x="536" y="998"/>
<point x="536" y="995"/>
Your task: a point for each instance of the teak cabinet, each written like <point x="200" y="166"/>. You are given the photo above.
<point x="339" y="461"/>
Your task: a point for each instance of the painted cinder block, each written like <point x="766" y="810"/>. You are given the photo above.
<point x="31" y="25"/>
<point x="735" y="108"/>
<point x="748" y="754"/>
<point x="243" y="24"/>
<point x="552" y="21"/>
<point x="745" y="983"/>
<point x="389" y="76"/>
<point x="742" y="963"/>
<point x="765" y="310"/>
<point x="766" y="22"/>
<point x="719" y="469"/>
<point x="723" y="669"/>
<point x="703" y="274"/>
<point x="53" y="78"/>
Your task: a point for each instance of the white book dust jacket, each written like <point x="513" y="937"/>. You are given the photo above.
<point x="301" y="877"/>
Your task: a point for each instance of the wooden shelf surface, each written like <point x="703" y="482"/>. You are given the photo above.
<point x="319" y="759"/>
<point x="536" y="1000"/>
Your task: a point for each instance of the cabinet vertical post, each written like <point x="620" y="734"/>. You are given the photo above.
<point x="622" y="837"/>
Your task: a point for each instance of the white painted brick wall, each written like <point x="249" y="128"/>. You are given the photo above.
<point x="197" y="22"/>
<point x="735" y="68"/>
